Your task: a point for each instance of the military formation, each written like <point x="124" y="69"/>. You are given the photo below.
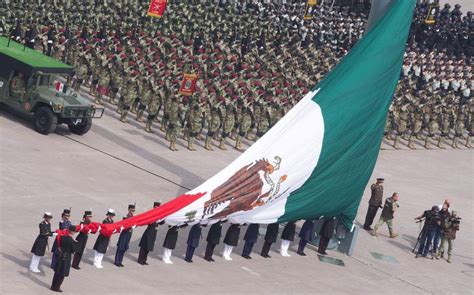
<point x="254" y="60"/>
<point x="67" y="251"/>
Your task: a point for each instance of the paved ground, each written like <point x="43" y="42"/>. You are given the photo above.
<point x="116" y="164"/>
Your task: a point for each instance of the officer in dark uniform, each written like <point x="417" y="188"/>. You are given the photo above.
<point x="231" y="240"/>
<point x="193" y="241"/>
<point x="30" y="36"/>
<point x="124" y="239"/>
<point x="63" y="224"/>
<point x="147" y="242"/>
<point x="270" y="238"/>
<point x="170" y="243"/>
<point x="326" y="232"/>
<point x="287" y="236"/>
<point x="213" y="239"/>
<point x="305" y="235"/>
<point x="375" y="203"/>
<point x="250" y="238"/>
<point x="39" y="246"/>
<point x="66" y="248"/>
<point x="102" y="241"/>
<point x="81" y="240"/>
<point x="51" y="39"/>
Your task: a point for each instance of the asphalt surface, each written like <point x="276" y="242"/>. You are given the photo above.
<point x="116" y="164"/>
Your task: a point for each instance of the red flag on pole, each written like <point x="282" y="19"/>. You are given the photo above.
<point x="157" y="8"/>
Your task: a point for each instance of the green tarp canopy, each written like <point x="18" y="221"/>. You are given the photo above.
<point x="28" y="61"/>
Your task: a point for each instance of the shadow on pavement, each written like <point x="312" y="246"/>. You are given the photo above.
<point x="401" y="245"/>
<point x="188" y="178"/>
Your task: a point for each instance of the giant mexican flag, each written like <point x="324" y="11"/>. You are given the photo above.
<point x="317" y="160"/>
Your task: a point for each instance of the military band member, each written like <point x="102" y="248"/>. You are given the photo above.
<point x="102" y="242"/>
<point x="250" y="238"/>
<point x="63" y="224"/>
<point x="231" y="240"/>
<point x="81" y="240"/>
<point x="270" y="238"/>
<point x="39" y="246"/>
<point x="67" y="247"/>
<point x="375" y="203"/>
<point x="124" y="239"/>
<point x="287" y="236"/>
<point x="193" y="241"/>
<point x="147" y="242"/>
<point x="306" y="233"/>
<point x="213" y="239"/>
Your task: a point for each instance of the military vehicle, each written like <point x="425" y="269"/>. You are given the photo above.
<point x="30" y="84"/>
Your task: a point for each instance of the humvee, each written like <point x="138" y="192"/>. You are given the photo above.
<point x="38" y="75"/>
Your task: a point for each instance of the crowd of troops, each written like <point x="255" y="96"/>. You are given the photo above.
<point x="254" y="60"/>
<point x="67" y="251"/>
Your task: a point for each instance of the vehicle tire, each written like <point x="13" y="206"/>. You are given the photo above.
<point x="81" y="128"/>
<point x="45" y="120"/>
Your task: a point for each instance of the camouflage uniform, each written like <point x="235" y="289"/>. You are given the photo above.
<point x="433" y="127"/>
<point x="81" y="74"/>
<point x="103" y="84"/>
<point x="264" y="122"/>
<point x="96" y="71"/>
<point x="402" y="124"/>
<point x="153" y="109"/>
<point x="245" y="125"/>
<point x="115" y="83"/>
<point x="166" y="106"/>
<point x="174" y="123"/>
<point x="445" y="126"/>
<point x="145" y="98"/>
<point x="459" y="126"/>
<point x="416" y="124"/>
<point x="214" y="119"/>
<point x="129" y="97"/>
<point x="194" y="125"/>
<point x="228" y="126"/>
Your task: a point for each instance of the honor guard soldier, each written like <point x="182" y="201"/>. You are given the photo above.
<point x="306" y="232"/>
<point x="124" y="239"/>
<point x="39" y="246"/>
<point x="147" y="242"/>
<point x="231" y="240"/>
<point x="193" y="241"/>
<point x="63" y="224"/>
<point x="170" y="243"/>
<point x="102" y="242"/>
<point x="375" y="203"/>
<point x="81" y="240"/>
<point x="326" y="232"/>
<point x="66" y="247"/>
<point x="250" y="238"/>
<point x="287" y="236"/>
<point x="270" y="238"/>
<point x="213" y="239"/>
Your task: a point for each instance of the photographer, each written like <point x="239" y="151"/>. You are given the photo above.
<point x="432" y="221"/>
<point x="451" y="225"/>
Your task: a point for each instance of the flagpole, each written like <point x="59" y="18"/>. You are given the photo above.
<point x="377" y="10"/>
